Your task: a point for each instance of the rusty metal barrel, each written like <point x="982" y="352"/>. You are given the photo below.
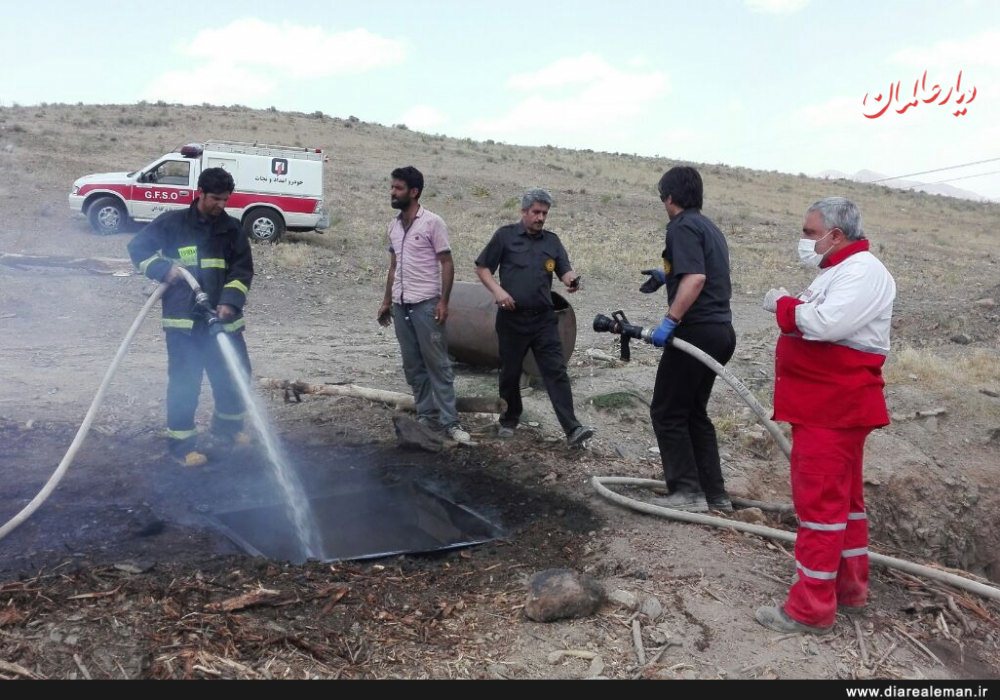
<point x="471" y="327"/>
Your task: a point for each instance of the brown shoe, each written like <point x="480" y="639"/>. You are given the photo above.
<point x="775" y="618"/>
<point x="191" y="459"/>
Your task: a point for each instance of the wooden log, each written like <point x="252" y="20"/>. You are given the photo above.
<point x="104" y="266"/>
<point x="293" y="389"/>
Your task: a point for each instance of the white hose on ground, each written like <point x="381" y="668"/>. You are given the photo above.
<point x="599" y="483"/>
<point x="67" y="459"/>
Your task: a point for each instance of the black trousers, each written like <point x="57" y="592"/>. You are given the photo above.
<point x="538" y="331"/>
<point x="685" y="435"/>
<point x="189" y="356"/>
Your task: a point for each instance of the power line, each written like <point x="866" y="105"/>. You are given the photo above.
<point x="936" y="170"/>
<point x="955" y="179"/>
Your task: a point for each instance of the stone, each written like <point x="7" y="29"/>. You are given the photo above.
<point x="624" y="598"/>
<point x="961" y="339"/>
<point x="556" y="594"/>
<point x="651" y="608"/>
<point x="750" y="515"/>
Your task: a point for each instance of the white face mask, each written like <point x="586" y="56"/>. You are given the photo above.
<point x="807" y="251"/>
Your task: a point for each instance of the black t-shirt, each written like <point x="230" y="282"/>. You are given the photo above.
<point x="526" y="264"/>
<point x="696" y="246"/>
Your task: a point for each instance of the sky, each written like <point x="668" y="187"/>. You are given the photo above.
<point x="797" y="86"/>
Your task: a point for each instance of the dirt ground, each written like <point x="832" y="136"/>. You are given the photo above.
<point x="121" y="574"/>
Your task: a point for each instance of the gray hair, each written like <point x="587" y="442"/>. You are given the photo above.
<point x="842" y="213"/>
<point x="535" y="194"/>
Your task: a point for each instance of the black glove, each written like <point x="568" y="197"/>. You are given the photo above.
<point x="657" y="278"/>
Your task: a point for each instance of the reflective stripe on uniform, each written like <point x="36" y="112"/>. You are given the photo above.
<point x="184" y="323"/>
<point x="189" y="255"/>
<point x="823" y="526"/>
<point x="230" y="416"/>
<point x="181" y="434"/>
<point x="214" y="262"/>
<point x="822" y="575"/>
<point x="857" y="516"/>
<point x="148" y="261"/>
<point x="236" y="284"/>
<point x="860" y="551"/>
<point x="234" y="326"/>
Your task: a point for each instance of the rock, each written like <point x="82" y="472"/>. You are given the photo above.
<point x="596" y="667"/>
<point x="990" y="393"/>
<point x="750" y="515"/>
<point x="986" y="303"/>
<point x="651" y="608"/>
<point x="961" y="339"/>
<point x="624" y="598"/>
<point x="555" y="594"/>
<point x="994" y="439"/>
<point x="411" y="434"/>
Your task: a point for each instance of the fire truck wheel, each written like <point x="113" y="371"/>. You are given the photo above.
<point x="107" y="215"/>
<point x="264" y="225"/>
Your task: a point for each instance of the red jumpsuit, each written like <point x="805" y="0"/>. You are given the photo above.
<point x="829" y="386"/>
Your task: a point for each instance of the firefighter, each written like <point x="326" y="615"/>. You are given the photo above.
<point x="212" y="246"/>
<point x="828" y="384"/>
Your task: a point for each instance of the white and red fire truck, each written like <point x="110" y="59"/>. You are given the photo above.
<point x="278" y="188"/>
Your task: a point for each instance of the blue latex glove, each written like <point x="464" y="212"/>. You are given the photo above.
<point x="657" y="278"/>
<point x="661" y="336"/>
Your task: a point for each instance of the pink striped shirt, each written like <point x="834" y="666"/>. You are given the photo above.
<point x="418" y="271"/>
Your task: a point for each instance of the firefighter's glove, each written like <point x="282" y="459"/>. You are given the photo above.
<point x="771" y="298"/>
<point x="661" y="336"/>
<point x="657" y="278"/>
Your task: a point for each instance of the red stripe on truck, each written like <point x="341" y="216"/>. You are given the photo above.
<point x="293" y="205"/>
<point x="238" y="200"/>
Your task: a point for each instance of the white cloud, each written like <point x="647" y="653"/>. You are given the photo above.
<point x="213" y="83"/>
<point x="295" y="50"/>
<point x="776" y="7"/>
<point x="423" y="118"/>
<point x="576" y="70"/>
<point x="248" y="59"/>
<point x="596" y="103"/>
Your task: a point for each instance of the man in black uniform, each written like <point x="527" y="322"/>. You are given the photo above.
<point x="696" y="272"/>
<point x="212" y="246"/>
<point x="527" y="255"/>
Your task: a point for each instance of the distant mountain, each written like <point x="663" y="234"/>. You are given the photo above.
<point x="930" y="188"/>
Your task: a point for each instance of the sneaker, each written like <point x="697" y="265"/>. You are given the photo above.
<point x="775" y="618"/>
<point x="851" y="609"/>
<point x="456" y="433"/>
<point x="505" y="431"/>
<point x="682" y="500"/>
<point x="721" y="504"/>
<point x="191" y="459"/>
<point x="580" y="434"/>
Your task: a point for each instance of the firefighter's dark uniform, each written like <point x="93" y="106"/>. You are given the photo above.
<point x="217" y="252"/>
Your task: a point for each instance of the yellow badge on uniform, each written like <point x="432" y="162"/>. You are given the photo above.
<point x="550" y="265"/>
<point x="666" y="267"/>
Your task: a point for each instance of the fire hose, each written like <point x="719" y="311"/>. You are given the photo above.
<point x="618" y="323"/>
<point x="88" y="419"/>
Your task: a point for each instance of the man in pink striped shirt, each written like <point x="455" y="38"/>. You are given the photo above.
<point x="417" y="289"/>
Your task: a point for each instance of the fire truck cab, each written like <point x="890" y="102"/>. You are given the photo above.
<point x="278" y="188"/>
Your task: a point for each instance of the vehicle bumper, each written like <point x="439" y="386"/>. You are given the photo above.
<point x="76" y="203"/>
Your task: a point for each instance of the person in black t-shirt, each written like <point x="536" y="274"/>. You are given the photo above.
<point x="696" y="274"/>
<point x="527" y="255"/>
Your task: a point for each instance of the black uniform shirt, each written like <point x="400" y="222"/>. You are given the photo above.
<point x="696" y="246"/>
<point x="526" y="264"/>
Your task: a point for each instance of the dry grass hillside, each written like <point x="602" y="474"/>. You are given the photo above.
<point x="931" y="475"/>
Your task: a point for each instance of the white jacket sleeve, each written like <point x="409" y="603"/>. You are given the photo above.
<point x="855" y="297"/>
